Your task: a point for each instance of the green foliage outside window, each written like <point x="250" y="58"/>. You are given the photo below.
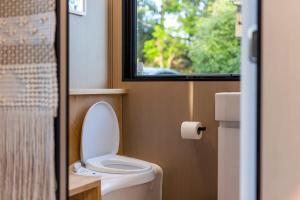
<point x="189" y="36"/>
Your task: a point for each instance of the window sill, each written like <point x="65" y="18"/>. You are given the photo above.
<point x="227" y="77"/>
<point x="77" y="92"/>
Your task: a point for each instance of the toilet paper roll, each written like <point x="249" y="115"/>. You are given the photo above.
<point x="189" y="130"/>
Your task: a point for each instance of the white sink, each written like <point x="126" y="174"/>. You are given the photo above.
<point x="227" y="106"/>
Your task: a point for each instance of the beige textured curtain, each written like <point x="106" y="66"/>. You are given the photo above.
<point x="28" y="99"/>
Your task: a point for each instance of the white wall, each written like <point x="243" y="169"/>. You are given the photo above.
<point x="88" y="46"/>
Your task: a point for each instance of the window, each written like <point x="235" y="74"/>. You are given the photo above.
<point x="181" y="40"/>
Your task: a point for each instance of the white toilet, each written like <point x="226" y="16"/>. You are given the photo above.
<point x="122" y="178"/>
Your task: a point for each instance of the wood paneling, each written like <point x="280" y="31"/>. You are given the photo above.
<point x="280" y="100"/>
<point x="79" y="105"/>
<point x="92" y="194"/>
<point x="153" y="113"/>
<point x="98" y="91"/>
<point x="63" y="121"/>
<point x="84" y="187"/>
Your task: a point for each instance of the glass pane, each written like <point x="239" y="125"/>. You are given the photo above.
<point x="188" y="37"/>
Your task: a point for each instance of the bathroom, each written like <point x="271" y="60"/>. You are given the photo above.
<point x="150" y="113"/>
<point x="134" y="122"/>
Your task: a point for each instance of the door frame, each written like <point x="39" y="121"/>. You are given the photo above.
<point x="250" y="159"/>
<point x="61" y="121"/>
<point x="259" y="99"/>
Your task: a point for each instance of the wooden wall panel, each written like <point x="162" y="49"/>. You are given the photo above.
<point x="63" y="121"/>
<point x="79" y="105"/>
<point x="84" y="187"/>
<point x="280" y="100"/>
<point x="152" y="115"/>
<point x="93" y="194"/>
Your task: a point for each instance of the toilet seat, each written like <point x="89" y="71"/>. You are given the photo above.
<point x="100" y="143"/>
<point x="128" y="178"/>
<point x="117" y="164"/>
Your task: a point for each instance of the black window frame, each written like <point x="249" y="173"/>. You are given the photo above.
<point x="129" y="54"/>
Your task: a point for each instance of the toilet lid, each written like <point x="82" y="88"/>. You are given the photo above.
<point x="100" y="132"/>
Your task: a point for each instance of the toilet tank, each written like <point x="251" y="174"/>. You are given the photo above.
<point x="227" y="113"/>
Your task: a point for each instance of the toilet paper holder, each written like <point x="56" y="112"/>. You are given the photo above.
<point x="201" y="129"/>
<point x="192" y="130"/>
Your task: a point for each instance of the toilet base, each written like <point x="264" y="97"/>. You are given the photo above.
<point x="147" y="191"/>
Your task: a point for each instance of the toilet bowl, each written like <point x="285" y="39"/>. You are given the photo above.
<point x="122" y="178"/>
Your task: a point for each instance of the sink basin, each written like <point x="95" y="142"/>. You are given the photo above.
<point x="227" y="106"/>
